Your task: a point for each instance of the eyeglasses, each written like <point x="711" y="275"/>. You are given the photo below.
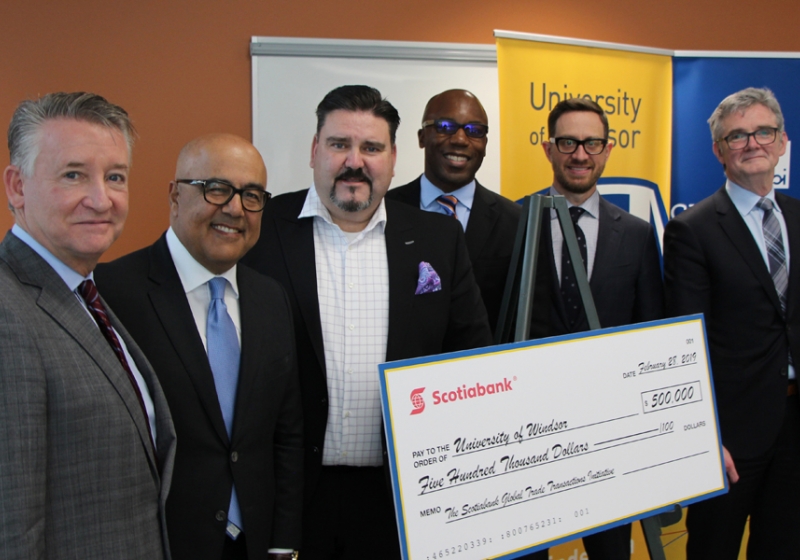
<point x="592" y="146"/>
<point x="220" y="193"/>
<point x="763" y="136"/>
<point x="450" y="127"/>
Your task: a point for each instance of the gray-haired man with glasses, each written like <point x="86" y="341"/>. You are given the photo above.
<point x="220" y="338"/>
<point x="729" y="257"/>
<point x="618" y="250"/>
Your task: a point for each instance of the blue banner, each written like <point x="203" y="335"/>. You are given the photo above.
<point x="699" y="84"/>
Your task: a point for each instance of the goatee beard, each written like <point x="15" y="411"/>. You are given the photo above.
<point x="351" y="205"/>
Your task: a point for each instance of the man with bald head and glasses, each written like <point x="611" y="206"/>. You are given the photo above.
<point x="220" y="338"/>
<point x="454" y="136"/>
<point x="618" y="251"/>
<point x="729" y="257"/>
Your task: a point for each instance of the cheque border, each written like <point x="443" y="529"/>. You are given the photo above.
<point x="389" y="413"/>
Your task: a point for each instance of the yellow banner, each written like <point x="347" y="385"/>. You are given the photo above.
<point x="634" y="89"/>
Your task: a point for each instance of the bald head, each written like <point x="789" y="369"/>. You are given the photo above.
<point x="446" y="100"/>
<point x="216" y="150"/>
<point x="217" y="233"/>
<point x="452" y="160"/>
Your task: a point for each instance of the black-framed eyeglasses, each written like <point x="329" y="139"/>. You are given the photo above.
<point x="763" y="136"/>
<point x="592" y="146"/>
<point x="450" y="127"/>
<point x="220" y="193"/>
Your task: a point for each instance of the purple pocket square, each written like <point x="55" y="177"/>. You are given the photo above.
<point x="429" y="280"/>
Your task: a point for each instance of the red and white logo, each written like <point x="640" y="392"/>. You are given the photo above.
<point x="417" y="401"/>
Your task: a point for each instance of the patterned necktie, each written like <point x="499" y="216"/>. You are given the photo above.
<point x="223" y="357"/>
<point x="88" y="292"/>
<point x="569" y="284"/>
<point x="775" y="251"/>
<point x="448" y="202"/>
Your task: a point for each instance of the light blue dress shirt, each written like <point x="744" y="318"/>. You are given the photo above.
<point x="430" y="192"/>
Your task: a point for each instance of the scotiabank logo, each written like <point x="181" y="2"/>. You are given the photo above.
<point x="417" y="401"/>
<point x="475" y="391"/>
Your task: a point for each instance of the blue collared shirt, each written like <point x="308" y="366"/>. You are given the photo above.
<point x="430" y="192"/>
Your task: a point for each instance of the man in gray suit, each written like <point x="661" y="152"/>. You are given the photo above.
<point x="86" y="440"/>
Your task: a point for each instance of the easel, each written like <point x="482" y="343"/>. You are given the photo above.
<point x="514" y="323"/>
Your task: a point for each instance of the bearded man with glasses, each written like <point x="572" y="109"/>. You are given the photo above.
<point x="618" y="251"/>
<point x="454" y="136"/>
<point x="220" y="338"/>
<point x="728" y="257"/>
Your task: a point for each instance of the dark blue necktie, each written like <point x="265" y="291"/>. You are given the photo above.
<point x="569" y="285"/>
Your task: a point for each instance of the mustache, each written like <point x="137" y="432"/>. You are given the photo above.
<point x="350" y="174"/>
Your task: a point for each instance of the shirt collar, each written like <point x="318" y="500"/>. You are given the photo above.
<point x="313" y="208"/>
<point x="430" y="192"/>
<point x="745" y="200"/>
<point x="591" y="205"/>
<point x="71" y="278"/>
<point x="192" y="273"/>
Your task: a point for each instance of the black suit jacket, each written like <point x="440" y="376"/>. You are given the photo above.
<point x="712" y="265"/>
<point x="264" y="454"/>
<point x="419" y="325"/>
<point x="626" y="276"/>
<point x="490" y="235"/>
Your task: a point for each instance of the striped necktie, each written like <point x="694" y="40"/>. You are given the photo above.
<point x="448" y="202"/>
<point x="88" y="291"/>
<point x="776" y="254"/>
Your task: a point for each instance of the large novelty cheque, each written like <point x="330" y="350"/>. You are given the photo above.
<point x="517" y="447"/>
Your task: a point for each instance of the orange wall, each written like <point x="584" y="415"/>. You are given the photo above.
<point x="182" y="68"/>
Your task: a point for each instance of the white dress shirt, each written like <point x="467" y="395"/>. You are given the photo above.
<point x="353" y="291"/>
<point x="194" y="277"/>
<point x="589" y="222"/>
<point x="73" y="280"/>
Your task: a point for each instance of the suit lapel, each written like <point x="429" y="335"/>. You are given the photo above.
<point x="172" y="308"/>
<point x="482" y="218"/>
<point x="253" y="313"/>
<point x="791" y="215"/>
<point x="402" y="252"/>
<point x="297" y="239"/>
<point x="609" y="238"/>
<point x="165" y="433"/>
<point x="62" y="305"/>
<point x="742" y="240"/>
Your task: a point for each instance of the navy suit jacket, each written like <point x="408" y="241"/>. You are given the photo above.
<point x="419" y="325"/>
<point x="264" y="455"/>
<point x="491" y="231"/>
<point x="712" y="265"/>
<point x="626" y="279"/>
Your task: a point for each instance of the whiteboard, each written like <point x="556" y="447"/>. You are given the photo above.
<point x="291" y="76"/>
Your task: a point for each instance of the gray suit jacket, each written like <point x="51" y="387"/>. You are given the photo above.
<point x="78" y="477"/>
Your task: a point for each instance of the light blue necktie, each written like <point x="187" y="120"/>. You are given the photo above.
<point x="223" y="356"/>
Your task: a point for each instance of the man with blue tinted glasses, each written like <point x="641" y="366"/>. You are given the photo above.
<point x="454" y="135"/>
<point x="728" y="257"/>
<point x="618" y="251"/>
